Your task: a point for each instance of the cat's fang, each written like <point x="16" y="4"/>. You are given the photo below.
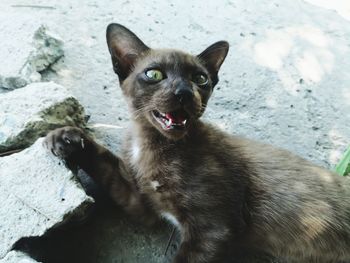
<point x="170" y="120"/>
<point x="168" y="123"/>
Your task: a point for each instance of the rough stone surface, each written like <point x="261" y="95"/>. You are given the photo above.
<point x="37" y="192"/>
<point x="17" y="257"/>
<point x="28" y="113"/>
<point x="27" y="48"/>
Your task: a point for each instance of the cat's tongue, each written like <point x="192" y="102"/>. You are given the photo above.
<point x="175" y="118"/>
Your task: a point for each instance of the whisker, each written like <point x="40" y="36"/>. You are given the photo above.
<point x="138" y="112"/>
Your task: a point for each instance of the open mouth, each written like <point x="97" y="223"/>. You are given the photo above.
<point x="171" y="120"/>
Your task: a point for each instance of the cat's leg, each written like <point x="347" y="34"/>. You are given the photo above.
<point x="203" y="245"/>
<point x="107" y="170"/>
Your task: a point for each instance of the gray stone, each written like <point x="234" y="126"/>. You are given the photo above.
<point x="37" y="192"/>
<point x="28" y="113"/>
<point x="17" y="257"/>
<point x="27" y="48"/>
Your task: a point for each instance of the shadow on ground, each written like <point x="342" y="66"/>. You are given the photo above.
<point x="106" y="235"/>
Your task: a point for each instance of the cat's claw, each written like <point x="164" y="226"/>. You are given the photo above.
<point x="65" y="142"/>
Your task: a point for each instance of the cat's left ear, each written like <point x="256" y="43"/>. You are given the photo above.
<point x="125" y="48"/>
<point x="213" y="57"/>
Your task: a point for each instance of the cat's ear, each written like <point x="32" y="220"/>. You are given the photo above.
<point x="213" y="57"/>
<point x="125" y="48"/>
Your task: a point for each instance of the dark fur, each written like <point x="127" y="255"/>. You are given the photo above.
<point x="227" y="193"/>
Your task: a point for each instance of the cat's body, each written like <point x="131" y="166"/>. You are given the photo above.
<point x="223" y="193"/>
<point x="276" y="201"/>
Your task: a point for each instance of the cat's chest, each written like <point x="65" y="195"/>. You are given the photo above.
<point x="156" y="174"/>
<point x="135" y="153"/>
<point x="148" y="161"/>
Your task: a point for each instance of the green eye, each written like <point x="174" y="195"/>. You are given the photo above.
<point x="154" y="74"/>
<point x="200" y="79"/>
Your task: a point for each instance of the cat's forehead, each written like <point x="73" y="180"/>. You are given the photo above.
<point x="169" y="59"/>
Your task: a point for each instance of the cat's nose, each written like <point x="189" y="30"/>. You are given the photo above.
<point x="184" y="93"/>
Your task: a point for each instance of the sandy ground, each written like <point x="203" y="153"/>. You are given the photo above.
<point x="286" y="80"/>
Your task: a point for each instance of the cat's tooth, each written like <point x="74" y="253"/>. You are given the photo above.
<point x="167" y="122"/>
<point x="184" y="122"/>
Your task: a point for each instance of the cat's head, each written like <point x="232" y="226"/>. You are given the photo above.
<point x="165" y="89"/>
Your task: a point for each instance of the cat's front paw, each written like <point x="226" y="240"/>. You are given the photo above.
<point x="66" y="142"/>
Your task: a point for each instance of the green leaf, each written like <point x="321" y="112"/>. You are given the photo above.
<point x="343" y="167"/>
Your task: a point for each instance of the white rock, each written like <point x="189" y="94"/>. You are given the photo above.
<point x="17" y="257"/>
<point x="27" y="48"/>
<point x="37" y="192"/>
<point x="28" y="113"/>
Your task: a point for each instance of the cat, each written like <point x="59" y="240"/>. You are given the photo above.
<point x="223" y="193"/>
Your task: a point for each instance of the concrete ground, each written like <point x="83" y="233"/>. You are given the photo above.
<point x="286" y="81"/>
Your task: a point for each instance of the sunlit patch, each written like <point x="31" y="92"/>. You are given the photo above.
<point x="271" y="101"/>
<point x="315" y="225"/>
<point x="222" y="125"/>
<point x="334" y="156"/>
<point x="313" y="65"/>
<point x="309" y="67"/>
<point x="289" y="83"/>
<point x="311" y="34"/>
<point x="315" y="218"/>
<point x="244" y="115"/>
<point x="294" y="53"/>
<point x="301" y="187"/>
<point x="64" y="72"/>
<point x="346" y="94"/>
<point x="104" y="125"/>
<point x="342" y="7"/>
<point x="325" y="175"/>
<point x="135" y="151"/>
<point x="270" y="53"/>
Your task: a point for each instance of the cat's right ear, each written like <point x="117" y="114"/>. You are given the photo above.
<point x="125" y="48"/>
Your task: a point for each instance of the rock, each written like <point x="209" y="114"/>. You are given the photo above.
<point x="27" y="48"/>
<point x="30" y="112"/>
<point x="17" y="257"/>
<point x="37" y="192"/>
<point x="48" y="49"/>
